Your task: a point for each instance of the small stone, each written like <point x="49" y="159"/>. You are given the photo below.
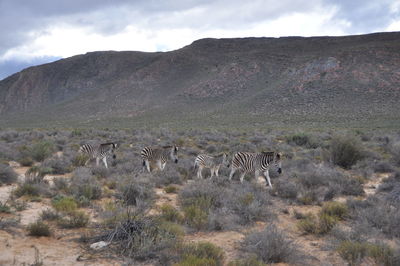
<point x="99" y="245"/>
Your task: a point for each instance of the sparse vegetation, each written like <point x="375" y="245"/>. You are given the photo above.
<point x="272" y="246"/>
<point x="345" y="151"/>
<point x="7" y="175"/>
<point x="354" y="253"/>
<point x="133" y="211"/>
<point x="39" y="228"/>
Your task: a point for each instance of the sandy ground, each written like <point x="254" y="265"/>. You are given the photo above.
<point x="62" y="249"/>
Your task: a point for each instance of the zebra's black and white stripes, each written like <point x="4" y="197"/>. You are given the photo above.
<point x="99" y="152"/>
<point x="249" y="162"/>
<point x="159" y="155"/>
<point x="213" y="163"/>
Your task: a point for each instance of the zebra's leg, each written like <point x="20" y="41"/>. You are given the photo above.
<point x="232" y="173"/>
<point x="256" y="174"/>
<point x="242" y="177"/>
<point x="163" y="166"/>
<point x="216" y="171"/>
<point x="159" y="165"/>
<point x="105" y="161"/>
<point x="199" y="172"/>
<point x="97" y="161"/>
<point x="266" y="174"/>
<point x="147" y="164"/>
<point x="212" y="169"/>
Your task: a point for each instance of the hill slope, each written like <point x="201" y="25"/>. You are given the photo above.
<point x="351" y="80"/>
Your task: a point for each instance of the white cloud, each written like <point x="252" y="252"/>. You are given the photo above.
<point x="64" y="40"/>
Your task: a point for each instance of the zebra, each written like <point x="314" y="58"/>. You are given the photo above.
<point x="249" y="162"/>
<point x="100" y="152"/>
<point x="159" y="155"/>
<point x="211" y="162"/>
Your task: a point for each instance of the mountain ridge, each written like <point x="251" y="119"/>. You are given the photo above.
<point x="354" y="78"/>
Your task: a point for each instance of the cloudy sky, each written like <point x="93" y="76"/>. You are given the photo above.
<point x="38" y="31"/>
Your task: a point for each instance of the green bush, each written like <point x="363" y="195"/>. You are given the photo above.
<point x="170" y="213"/>
<point x="38" y="229"/>
<point x="172" y="228"/>
<point x="200" y="253"/>
<point x="4" y="208"/>
<point x="325" y="223"/>
<point x="26" y="189"/>
<point x="75" y="219"/>
<point x="49" y="215"/>
<point x="170" y="189"/>
<point x="345" y="152"/>
<point x="41" y="150"/>
<point x="64" y="204"/>
<point x="302" y="139"/>
<point x="308" y="224"/>
<point x="195" y="217"/>
<point x="354" y="252"/>
<point x="336" y="209"/>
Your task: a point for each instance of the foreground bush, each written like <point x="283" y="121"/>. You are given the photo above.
<point x="345" y="152"/>
<point x="374" y="213"/>
<point x="302" y="139"/>
<point x="140" y="237"/>
<point x="138" y="192"/>
<point x="202" y="253"/>
<point x="74" y="219"/>
<point x="38" y="229"/>
<point x="84" y="185"/>
<point x="272" y="246"/>
<point x="221" y="205"/>
<point x="40" y="150"/>
<point x="330" y="214"/>
<point x="7" y="175"/>
<point x="354" y="253"/>
<point x="64" y="204"/>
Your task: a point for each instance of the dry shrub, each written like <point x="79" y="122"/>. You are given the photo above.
<point x="272" y="246"/>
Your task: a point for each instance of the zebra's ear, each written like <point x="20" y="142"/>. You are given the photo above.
<point x="278" y="155"/>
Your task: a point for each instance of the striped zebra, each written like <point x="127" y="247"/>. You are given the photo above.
<point x="249" y="162"/>
<point x="211" y="162"/>
<point x="159" y="155"/>
<point x="100" y="152"/>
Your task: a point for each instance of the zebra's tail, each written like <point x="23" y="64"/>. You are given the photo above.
<point x="144" y="163"/>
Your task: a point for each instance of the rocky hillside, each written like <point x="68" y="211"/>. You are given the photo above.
<point x="254" y="81"/>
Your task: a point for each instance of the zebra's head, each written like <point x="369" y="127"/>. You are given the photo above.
<point x="225" y="160"/>
<point x="278" y="162"/>
<point x="112" y="146"/>
<point x="173" y="153"/>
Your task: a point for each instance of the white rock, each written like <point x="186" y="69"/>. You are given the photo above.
<point x="99" y="245"/>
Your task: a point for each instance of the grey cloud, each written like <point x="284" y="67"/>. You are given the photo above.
<point x="365" y="15"/>
<point x="10" y="67"/>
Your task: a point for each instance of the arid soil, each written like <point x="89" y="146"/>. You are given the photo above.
<point x="62" y="248"/>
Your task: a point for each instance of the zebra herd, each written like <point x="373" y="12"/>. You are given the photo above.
<point x="245" y="162"/>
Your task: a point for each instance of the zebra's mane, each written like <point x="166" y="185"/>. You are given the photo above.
<point x="107" y="144"/>
<point x="268" y="153"/>
<point x="167" y="147"/>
